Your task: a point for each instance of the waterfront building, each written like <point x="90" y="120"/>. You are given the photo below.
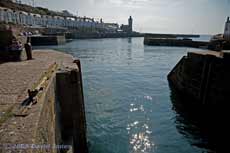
<point x="56" y="18"/>
<point x="130" y="24"/>
<point x="43" y="20"/>
<point x="14" y="17"/>
<point x="8" y="15"/>
<point x="128" y="28"/>
<point x="1" y="14"/>
<point x="88" y="24"/>
<point x="14" y="1"/>
<point x="60" y="21"/>
<point x="77" y="22"/>
<point x="66" y="21"/>
<point x="227" y="30"/>
<point x="70" y="22"/>
<point x="82" y="22"/>
<point x="124" y="28"/>
<point x="49" y="21"/>
<point x="37" y="19"/>
<point x="22" y="17"/>
<point x="66" y="13"/>
<point x="29" y="19"/>
<point x="53" y="21"/>
<point x="93" y="24"/>
<point x="111" y="27"/>
<point x="56" y="21"/>
<point x="17" y="14"/>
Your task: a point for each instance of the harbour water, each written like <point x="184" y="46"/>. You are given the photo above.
<point x="128" y="101"/>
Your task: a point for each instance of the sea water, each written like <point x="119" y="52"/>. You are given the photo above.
<point x="128" y="100"/>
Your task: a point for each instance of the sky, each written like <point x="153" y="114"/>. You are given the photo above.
<point x="153" y="16"/>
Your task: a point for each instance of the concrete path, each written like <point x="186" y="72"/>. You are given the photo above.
<point x="15" y="79"/>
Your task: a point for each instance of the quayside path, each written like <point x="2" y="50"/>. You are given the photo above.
<point x="18" y="126"/>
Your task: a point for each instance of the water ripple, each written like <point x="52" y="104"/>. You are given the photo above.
<point x="128" y="105"/>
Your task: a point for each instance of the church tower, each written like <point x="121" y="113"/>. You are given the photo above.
<point x="130" y="24"/>
<point x="227" y="30"/>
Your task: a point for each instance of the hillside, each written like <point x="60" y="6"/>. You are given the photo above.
<point x="30" y="9"/>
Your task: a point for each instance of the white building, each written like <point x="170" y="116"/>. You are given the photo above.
<point x="227" y="30"/>
<point x="8" y="15"/>
<point x="69" y="21"/>
<point x="112" y="27"/>
<point x="1" y="14"/>
<point x="15" y="17"/>
<point x="23" y="16"/>
<point x="44" y="20"/>
<point x="59" y="21"/>
<point x="50" y="22"/>
<point x="29" y="19"/>
<point x="37" y="19"/>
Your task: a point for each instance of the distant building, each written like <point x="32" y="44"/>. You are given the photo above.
<point x="1" y="14"/>
<point x="130" y="20"/>
<point x="65" y="20"/>
<point x="16" y="1"/>
<point x="227" y="30"/>
<point x="66" y="13"/>
<point x="111" y="27"/>
<point x="128" y="28"/>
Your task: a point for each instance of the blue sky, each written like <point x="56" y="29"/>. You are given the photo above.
<point x="156" y="16"/>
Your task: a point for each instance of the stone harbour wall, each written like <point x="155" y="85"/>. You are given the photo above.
<point x="204" y="76"/>
<point x="40" y="127"/>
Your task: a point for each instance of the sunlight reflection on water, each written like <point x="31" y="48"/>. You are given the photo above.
<point x="139" y="139"/>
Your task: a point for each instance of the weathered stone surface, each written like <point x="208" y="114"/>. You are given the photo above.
<point x="39" y="125"/>
<point x="204" y="76"/>
<point x="71" y="101"/>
